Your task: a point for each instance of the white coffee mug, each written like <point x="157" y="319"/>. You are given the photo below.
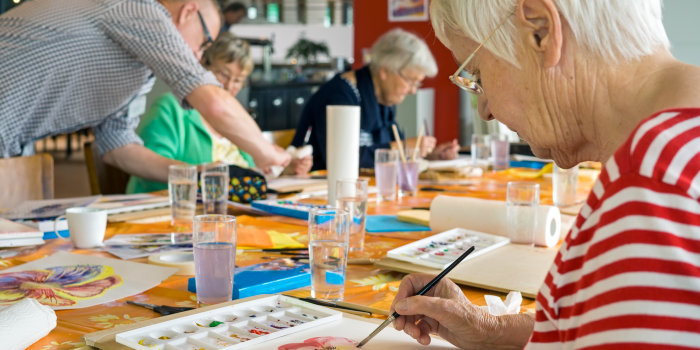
<point x="86" y="226"/>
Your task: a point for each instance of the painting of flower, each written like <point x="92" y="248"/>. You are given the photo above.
<point x="59" y="285"/>
<point x="322" y="343"/>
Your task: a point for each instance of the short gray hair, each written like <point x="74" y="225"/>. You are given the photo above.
<point x="229" y="48"/>
<point x="398" y="49"/>
<point x="617" y="30"/>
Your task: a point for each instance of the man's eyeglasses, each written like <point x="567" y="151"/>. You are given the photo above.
<point x="208" y="40"/>
<point x="471" y="84"/>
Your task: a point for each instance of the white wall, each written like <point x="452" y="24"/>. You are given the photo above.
<point x="683" y="29"/>
<point x="338" y="38"/>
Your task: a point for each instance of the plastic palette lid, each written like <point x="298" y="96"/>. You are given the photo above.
<point x="438" y="251"/>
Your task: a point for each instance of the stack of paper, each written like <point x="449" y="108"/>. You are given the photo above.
<point x="13" y="234"/>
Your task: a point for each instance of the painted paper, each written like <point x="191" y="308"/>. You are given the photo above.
<point x="408" y="10"/>
<point x="72" y="281"/>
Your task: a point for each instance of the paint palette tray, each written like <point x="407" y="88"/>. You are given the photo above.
<point x="238" y="326"/>
<point x="438" y="251"/>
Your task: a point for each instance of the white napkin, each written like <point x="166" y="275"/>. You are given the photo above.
<point x="25" y="322"/>
<point x="495" y="306"/>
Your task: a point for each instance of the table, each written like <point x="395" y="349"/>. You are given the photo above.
<point x="365" y="284"/>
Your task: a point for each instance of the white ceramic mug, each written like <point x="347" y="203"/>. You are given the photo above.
<point x="86" y="226"/>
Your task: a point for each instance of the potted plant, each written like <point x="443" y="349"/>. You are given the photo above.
<point x="307" y="50"/>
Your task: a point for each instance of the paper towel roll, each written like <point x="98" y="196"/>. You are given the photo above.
<point x="24" y="323"/>
<point x="490" y="216"/>
<point x="342" y="145"/>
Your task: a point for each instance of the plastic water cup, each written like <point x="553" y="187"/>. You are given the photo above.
<point x="481" y="151"/>
<point x="352" y="197"/>
<point x="522" y="201"/>
<point x="329" y="230"/>
<point x="408" y="178"/>
<point x="564" y="183"/>
<point x="215" y="189"/>
<point x="385" y="173"/>
<point x="214" y="241"/>
<point x="500" y="151"/>
<point x="182" y="188"/>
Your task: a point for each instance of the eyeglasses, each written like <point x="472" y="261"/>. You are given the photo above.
<point x="412" y="83"/>
<point x="207" y="36"/>
<point x="470" y="84"/>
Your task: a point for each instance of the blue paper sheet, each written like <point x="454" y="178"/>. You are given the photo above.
<point x="389" y="223"/>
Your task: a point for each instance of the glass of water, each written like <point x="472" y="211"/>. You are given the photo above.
<point x="481" y="151"/>
<point x="182" y="188"/>
<point x="522" y="201"/>
<point x="215" y="188"/>
<point x="564" y="182"/>
<point x="352" y="197"/>
<point x="500" y="151"/>
<point x="385" y="173"/>
<point x="214" y="241"/>
<point x="329" y="230"/>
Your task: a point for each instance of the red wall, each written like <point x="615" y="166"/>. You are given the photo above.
<point x="371" y="20"/>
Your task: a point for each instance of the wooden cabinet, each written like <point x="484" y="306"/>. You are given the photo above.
<point x="278" y="107"/>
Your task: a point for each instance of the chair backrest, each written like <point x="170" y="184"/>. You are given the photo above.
<point x="25" y="178"/>
<point x="282" y="138"/>
<point x="104" y="178"/>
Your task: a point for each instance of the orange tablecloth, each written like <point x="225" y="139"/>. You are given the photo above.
<point x="366" y="284"/>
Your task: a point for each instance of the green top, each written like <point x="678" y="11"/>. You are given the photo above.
<point x="175" y="133"/>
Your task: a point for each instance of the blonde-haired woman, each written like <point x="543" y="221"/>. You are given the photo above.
<point x="182" y="134"/>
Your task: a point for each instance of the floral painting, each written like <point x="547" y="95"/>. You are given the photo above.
<point x="70" y="281"/>
<point x="58" y="286"/>
<point x="322" y="343"/>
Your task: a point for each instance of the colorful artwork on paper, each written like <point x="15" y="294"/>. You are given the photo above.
<point x="408" y="10"/>
<point x="70" y="281"/>
<point x="59" y="285"/>
<point x="322" y="343"/>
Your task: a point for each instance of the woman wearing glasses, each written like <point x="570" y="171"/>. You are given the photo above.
<point x="182" y="134"/>
<point x="585" y="80"/>
<point x="400" y="61"/>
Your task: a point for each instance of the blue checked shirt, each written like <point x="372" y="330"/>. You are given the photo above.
<point x="71" y="64"/>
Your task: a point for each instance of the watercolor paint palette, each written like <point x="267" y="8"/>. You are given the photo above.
<point x="438" y="251"/>
<point x="239" y="326"/>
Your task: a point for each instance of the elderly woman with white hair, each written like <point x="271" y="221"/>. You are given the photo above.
<point x="585" y="80"/>
<point x="400" y="61"/>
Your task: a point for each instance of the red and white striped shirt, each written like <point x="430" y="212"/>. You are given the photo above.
<point x="628" y="274"/>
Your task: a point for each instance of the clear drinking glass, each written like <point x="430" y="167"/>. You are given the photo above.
<point x="564" y="183"/>
<point x="481" y="151"/>
<point x="522" y="201"/>
<point x="214" y="241"/>
<point x="408" y="178"/>
<point x="182" y="188"/>
<point x="328" y="247"/>
<point x="385" y="173"/>
<point x="500" y="151"/>
<point x="352" y="197"/>
<point x="215" y="188"/>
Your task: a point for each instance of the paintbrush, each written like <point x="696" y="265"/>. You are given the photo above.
<point x="421" y="292"/>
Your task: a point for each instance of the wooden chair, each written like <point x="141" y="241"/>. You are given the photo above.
<point x="104" y="178"/>
<point x="25" y="178"/>
<point x="282" y="138"/>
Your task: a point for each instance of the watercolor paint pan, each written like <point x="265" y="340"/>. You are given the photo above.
<point x="438" y="251"/>
<point x="239" y="326"/>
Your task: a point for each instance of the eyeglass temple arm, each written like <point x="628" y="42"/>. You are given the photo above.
<point x="464" y="64"/>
